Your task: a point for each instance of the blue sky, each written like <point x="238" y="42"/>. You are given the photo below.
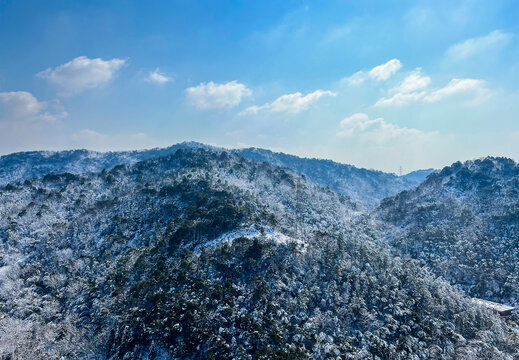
<point x="377" y="84"/>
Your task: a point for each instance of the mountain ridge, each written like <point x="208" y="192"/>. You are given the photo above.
<point x="365" y="186"/>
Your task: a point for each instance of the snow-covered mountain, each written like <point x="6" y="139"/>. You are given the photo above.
<point x="22" y="166"/>
<point x="464" y="223"/>
<point x="204" y="254"/>
<point x="366" y="187"/>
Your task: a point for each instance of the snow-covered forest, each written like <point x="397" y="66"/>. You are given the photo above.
<point x="194" y="252"/>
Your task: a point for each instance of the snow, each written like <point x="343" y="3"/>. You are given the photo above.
<point x="251" y="232"/>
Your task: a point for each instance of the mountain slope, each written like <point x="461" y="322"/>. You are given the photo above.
<point x="464" y="222"/>
<point x="204" y="254"/>
<point x="364" y="186"/>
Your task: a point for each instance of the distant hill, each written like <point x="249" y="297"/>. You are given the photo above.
<point x="364" y="186"/>
<point x="418" y="176"/>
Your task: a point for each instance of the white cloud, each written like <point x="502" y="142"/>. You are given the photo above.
<point x="22" y="106"/>
<point x="400" y="99"/>
<point x="415" y="87"/>
<point x="379" y="73"/>
<point x="158" y="77"/>
<point x="214" y="96"/>
<point x="27" y="123"/>
<point x="81" y="74"/>
<point x="381" y="144"/>
<point x="356" y="79"/>
<point x="479" y="45"/>
<point x="409" y="90"/>
<point x="456" y="86"/>
<point x="377" y="130"/>
<point x="358" y="121"/>
<point x="413" y="82"/>
<point x="384" y="71"/>
<point x="291" y="103"/>
<point x="17" y="104"/>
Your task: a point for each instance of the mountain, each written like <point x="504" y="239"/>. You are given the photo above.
<point x="418" y="176"/>
<point x="22" y="166"/>
<point x="205" y="254"/>
<point x="463" y="222"/>
<point x="364" y="186"/>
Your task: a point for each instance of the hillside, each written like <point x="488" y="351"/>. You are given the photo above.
<point x="366" y="187"/>
<point x="203" y="254"/>
<point x="464" y="223"/>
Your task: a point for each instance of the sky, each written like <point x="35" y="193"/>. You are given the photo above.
<point x="376" y="84"/>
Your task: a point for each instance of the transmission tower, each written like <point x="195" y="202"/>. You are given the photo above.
<point x="298" y="226"/>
